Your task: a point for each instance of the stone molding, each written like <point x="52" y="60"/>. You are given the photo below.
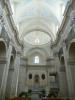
<point x="71" y="61"/>
<point x="3" y="60"/>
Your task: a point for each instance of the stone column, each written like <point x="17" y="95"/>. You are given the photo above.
<point x="68" y="72"/>
<point x="15" y="77"/>
<point x="23" y="75"/>
<point x="49" y="69"/>
<point x="26" y="64"/>
<point x="60" y="76"/>
<point x="48" y="65"/>
<point x="57" y="67"/>
<point x="5" y="73"/>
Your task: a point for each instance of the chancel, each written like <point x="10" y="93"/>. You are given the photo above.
<point x="37" y="49"/>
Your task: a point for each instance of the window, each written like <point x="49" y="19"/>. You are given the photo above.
<point x="37" y="41"/>
<point x="36" y="60"/>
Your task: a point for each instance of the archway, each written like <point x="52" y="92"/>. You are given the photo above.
<point x="36" y="79"/>
<point x="72" y="61"/>
<point x="2" y="49"/>
<point x="37" y="52"/>
<point x="72" y="51"/>
<point x="62" y="61"/>
<point x="2" y="59"/>
<point x="36" y="82"/>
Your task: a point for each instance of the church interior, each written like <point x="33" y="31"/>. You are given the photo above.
<point x="37" y="49"/>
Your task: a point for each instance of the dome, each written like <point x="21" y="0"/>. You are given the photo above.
<point x="39" y="40"/>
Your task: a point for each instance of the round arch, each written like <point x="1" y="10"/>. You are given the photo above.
<point x="36" y="79"/>
<point x="37" y="49"/>
<point x="71" y="56"/>
<point x="42" y="28"/>
<point x="62" y="60"/>
<point x="71" y="49"/>
<point x="3" y="48"/>
<point x="32" y="53"/>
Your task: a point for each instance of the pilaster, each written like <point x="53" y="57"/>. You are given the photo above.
<point x="22" y="75"/>
<point x="68" y="73"/>
<point x="5" y="73"/>
<point x="14" y="85"/>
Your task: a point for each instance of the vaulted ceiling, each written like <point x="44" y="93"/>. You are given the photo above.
<point x="38" y="20"/>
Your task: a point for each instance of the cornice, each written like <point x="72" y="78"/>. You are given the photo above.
<point x="12" y="22"/>
<point x="61" y="28"/>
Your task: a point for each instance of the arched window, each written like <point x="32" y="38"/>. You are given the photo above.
<point x="37" y="41"/>
<point x="36" y="59"/>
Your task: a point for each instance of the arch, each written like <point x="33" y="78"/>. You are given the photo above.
<point x="63" y="76"/>
<point x="38" y="28"/>
<point x="2" y="48"/>
<point x="62" y="64"/>
<point x="2" y="58"/>
<point x="71" y="56"/>
<point x="13" y="52"/>
<point x="36" y="79"/>
<point x="33" y="61"/>
<point x="36" y="59"/>
<point x="10" y="73"/>
<point x="43" y="55"/>
<point x="60" y="53"/>
<point x="37" y="49"/>
<point x="71" y="49"/>
<point x="62" y="60"/>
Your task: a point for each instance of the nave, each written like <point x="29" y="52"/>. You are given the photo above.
<point x="37" y="49"/>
